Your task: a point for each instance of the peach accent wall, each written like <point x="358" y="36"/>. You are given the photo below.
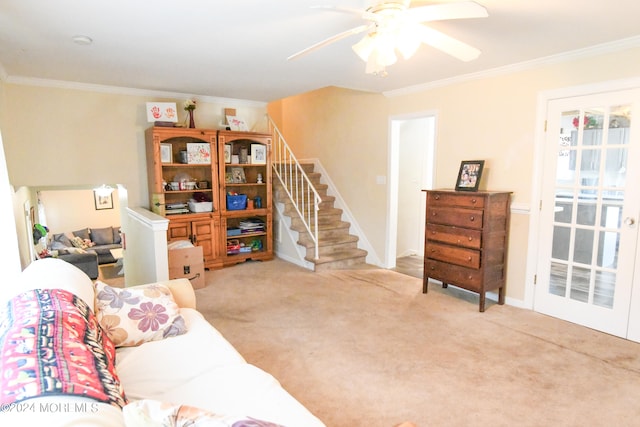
<point x="494" y="118"/>
<point x="347" y="131"/>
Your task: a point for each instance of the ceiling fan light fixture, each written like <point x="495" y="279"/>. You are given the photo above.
<point x="408" y="41"/>
<point x="364" y="47"/>
<point x="385" y="49"/>
<point x="395" y="27"/>
<point x="374" y="67"/>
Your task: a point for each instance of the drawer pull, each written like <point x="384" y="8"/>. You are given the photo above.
<point x="474" y="201"/>
<point x="469" y="259"/>
<point x="458" y="241"/>
<point x="470" y="238"/>
<point x="437" y="197"/>
<point x="472" y="218"/>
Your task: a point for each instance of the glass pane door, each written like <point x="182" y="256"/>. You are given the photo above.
<point x="588" y="214"/>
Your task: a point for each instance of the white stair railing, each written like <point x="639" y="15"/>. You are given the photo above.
<point x="296" y="184"/>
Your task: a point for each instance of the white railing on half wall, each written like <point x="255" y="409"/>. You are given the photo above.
<point x="296" y="184"/>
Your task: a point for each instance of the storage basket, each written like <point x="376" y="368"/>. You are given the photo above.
<point x="236" y="202"/>
<point x="200" y="206"/>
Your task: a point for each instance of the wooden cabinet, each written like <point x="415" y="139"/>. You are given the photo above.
<point x="466" y="237"/>
<point x="202" y="232"/>
<point x="245" y="173"/>
<point x="226" y="163"/>
<point x="183" y="183"/>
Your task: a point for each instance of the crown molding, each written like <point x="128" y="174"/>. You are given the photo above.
<point x="117" y="90"/>
<point x="600" y="49"/>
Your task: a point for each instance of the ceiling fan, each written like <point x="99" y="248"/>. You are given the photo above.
<point x="393" y="25"/>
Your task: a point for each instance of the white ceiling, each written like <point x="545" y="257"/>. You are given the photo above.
<point x="238" y="48"/>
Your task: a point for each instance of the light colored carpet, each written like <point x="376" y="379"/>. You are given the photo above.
<point x="367" y="348"/>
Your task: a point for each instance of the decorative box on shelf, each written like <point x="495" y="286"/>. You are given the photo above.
<point x="197" y="207"/>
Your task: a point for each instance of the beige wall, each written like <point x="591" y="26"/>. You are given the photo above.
<point x="491" y="118"/>
<point x="10" y="259"/>
<point x="65" y="137"/>
<point x="60" y="137"/>
<point x="70" y="210"/>
<point x="494" y="119"/>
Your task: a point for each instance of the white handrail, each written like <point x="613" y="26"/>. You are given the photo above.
<point x="296" y="183"/>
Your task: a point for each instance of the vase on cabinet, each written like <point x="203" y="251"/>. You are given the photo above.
<point x="192" y="123"/>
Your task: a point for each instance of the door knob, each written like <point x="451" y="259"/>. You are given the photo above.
<point x="630" y="222"/>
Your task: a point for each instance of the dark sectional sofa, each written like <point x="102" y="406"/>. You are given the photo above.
<point x="87" y="248"/>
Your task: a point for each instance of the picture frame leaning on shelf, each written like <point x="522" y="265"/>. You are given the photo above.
<point x="258" y="154"/>
<point x="238" y="176"/>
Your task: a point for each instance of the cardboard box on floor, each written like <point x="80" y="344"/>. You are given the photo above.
<point x="187" y="263"/>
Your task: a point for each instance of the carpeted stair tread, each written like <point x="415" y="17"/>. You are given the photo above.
<point x="339" y="259"/>
<point x="330" y="241"/>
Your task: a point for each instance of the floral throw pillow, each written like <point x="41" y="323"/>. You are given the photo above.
<point x="81" y="243"/>
<point x="132" y="316"/>
<point x="153" y="413"/>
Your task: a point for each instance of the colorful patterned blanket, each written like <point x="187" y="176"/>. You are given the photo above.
<point x="52" y="344"/>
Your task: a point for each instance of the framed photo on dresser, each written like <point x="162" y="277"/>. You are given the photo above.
<point x="469" y="175"/>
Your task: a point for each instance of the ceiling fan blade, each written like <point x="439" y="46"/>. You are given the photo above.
<point x="447" y="44"/>
<point x="438" y="12"/>
<point x="331" y="39"/>
<point x="364" y="14"/>
<point x="351" y="10"/>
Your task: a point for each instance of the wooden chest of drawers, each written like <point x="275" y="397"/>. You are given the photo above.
<point x="466" y="237"/>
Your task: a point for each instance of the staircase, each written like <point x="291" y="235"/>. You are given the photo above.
<point x="337" y="249"/>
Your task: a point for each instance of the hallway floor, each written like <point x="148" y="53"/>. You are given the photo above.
<point x="411" y="265"/>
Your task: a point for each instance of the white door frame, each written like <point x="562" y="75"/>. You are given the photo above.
<point x="534" y="220"/>
<point x="392" y="184"/>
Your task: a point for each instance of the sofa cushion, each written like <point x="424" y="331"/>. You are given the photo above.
<point x="51" y="344"/>
<point x="60" y="241"/>
<point x="143" y="373"/>
<point x="117" y="238"/>
<point x="102" y="236"/>
<point x="83" y="234"/>
<point x="132" y="316"/>
<point x="151" y="413"/>
<point x="237" y="389"/>
<point x="52" y="273"/>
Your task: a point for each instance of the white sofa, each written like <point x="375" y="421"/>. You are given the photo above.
<point x="197" y="369"/>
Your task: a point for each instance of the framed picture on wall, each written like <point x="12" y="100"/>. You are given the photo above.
<point x="469" y="175"/>
<point x="102" y="201"/>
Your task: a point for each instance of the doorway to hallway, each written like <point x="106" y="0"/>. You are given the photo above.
<point x="411" y="169"/>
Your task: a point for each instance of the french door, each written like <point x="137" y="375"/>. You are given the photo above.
<point x="589" y="210"/>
